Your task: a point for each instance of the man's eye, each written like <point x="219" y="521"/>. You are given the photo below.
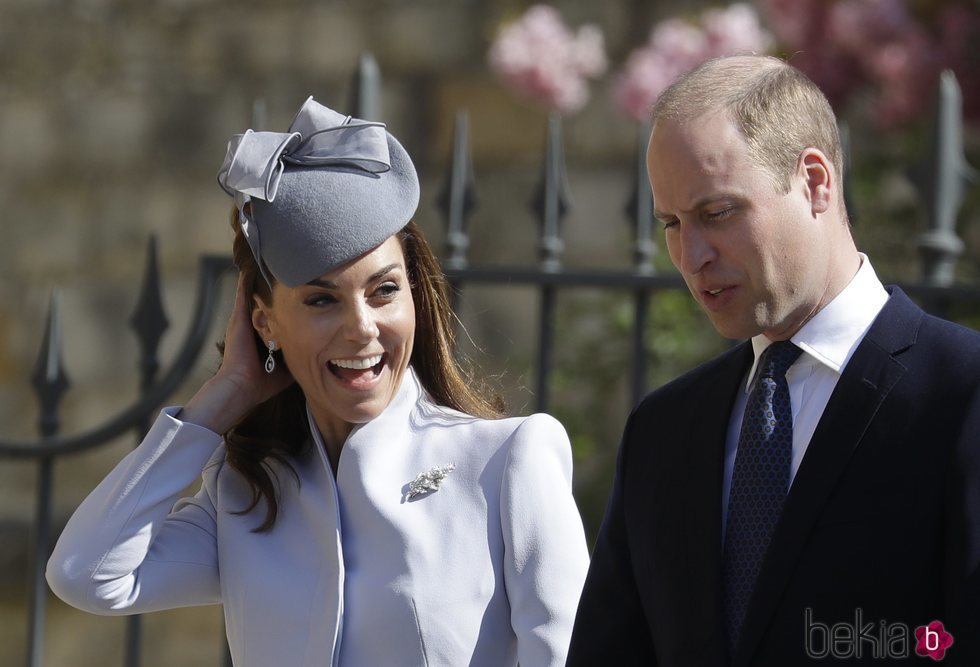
<point x="668" y="224"/>
<point x="719" y="214"/>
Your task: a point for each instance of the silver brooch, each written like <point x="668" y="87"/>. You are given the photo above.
<point x="429" y="481"/>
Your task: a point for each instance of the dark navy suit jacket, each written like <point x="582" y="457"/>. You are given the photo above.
<point x="882" y="519"/>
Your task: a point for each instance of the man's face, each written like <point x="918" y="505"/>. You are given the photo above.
<point x="755" y="259"/>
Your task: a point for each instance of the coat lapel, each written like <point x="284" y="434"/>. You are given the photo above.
<point x="865" y="383"/>
<point x="704" y="471"/>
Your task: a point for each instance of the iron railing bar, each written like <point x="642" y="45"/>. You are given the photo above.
<point x="641" y="309"/>
<point x="366" y="89"/>
<point x="503" y="275"/>
<point x="211" y="267"/>
<point x="149" y="322"/>
<point x="639" y="207"/>
<point x="39" y="587"/>
<point x="50" y="382"/>
<point x="546" y="335"/>
<point x="563" y="278"/>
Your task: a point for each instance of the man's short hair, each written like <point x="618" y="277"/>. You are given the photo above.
<point x="776" y="108"/>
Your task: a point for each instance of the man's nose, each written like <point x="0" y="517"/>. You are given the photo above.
<point x="697" y="249"/>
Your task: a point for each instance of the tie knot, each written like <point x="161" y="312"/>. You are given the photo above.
<point x="777" y="358"/>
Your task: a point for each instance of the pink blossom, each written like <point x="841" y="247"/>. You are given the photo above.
<point x="794" y="22"/>
<point x="646" y="74"/>
<point x="959" y="28"/>
<point x="836" y="74"/>
<point x="679" y="41"/>
<point x="677" y="46"/>
<point x="541" y="59"/>
<point x="734" y="30"/>
<point x="893" y="49"/>
<point x="861" y="25"/>
<point x="590" y="52"/>
<point x="905" y="71"/>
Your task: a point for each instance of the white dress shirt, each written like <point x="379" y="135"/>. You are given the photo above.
<point x="828" y="340"/>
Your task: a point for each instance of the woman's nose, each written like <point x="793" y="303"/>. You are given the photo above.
<point x="360" y="325"/>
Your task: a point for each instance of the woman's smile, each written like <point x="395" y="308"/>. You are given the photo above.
<point x="360" y="374"/>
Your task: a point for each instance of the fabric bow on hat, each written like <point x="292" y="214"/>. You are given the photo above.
<point x="255" y="161"/>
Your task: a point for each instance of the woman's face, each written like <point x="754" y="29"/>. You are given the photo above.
<point x="346" y="336"/>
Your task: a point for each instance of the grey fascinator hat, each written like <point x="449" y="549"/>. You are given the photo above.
<point x="320" y="194"/>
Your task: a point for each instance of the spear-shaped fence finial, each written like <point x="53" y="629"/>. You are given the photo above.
<point x="49" y="379"/>
<point x="941" y="180"/>
<point x="458" y="198"/>
<point x="551" y="202"/>
<point x="149" y="319"/>
<point x="639" y="208"/>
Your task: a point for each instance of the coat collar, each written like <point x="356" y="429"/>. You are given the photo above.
<point x="395" y="415"/>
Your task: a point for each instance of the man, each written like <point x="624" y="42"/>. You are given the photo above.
<point x="821" y="500"/>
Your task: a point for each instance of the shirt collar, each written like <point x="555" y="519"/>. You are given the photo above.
<point x="831" y="336"/>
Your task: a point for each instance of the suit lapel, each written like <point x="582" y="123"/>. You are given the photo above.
<point x="705" y="450"/>
<point x="865" y="383"/>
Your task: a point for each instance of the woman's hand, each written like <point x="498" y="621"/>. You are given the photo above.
<point x="241" y="382"/>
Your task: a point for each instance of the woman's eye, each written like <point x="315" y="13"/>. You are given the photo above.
<point x="669" y="223"/>
<point x="320" y="300"/>
<point x="387" y="289"/>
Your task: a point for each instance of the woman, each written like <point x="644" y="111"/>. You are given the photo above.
<point x="361" y="503"/>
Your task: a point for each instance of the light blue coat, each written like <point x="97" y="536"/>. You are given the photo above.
<point x="486" y="570"/>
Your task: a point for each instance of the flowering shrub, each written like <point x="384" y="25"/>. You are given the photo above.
<point x="895" y="48"/>
<point x="544" y="61"/>
<point x="677" y="46"/>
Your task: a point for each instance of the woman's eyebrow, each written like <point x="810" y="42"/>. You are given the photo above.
<point x="386" y="270"/>
<point x="327" y="284"/>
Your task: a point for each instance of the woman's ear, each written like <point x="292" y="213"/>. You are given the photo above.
<point x="261" y="318"/>
<point x="819" y="178"/>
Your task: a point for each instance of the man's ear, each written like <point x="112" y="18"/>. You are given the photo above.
<point x="261" y="318"/>
<point x="819" y="178"/>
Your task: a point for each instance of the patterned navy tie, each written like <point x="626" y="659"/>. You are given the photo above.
<point x="760" y="480"/>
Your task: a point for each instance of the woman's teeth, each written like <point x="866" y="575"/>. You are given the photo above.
<point x="357" y="364"/>
<point x="714" y="292"/>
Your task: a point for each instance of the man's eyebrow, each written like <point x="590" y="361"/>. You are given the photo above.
<point x="700" y="203"/>
<point x="327" y="284"/>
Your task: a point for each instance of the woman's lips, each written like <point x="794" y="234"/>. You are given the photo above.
<point x="358" y="373"/>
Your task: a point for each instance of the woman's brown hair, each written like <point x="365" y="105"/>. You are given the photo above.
<point x="277" y="430"/>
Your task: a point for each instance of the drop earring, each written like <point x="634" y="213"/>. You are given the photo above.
<point x="270" y="362"/>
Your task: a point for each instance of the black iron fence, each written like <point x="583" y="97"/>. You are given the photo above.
<point x="942" y="180"/>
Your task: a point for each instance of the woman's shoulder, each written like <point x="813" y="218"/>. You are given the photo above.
<point x="534" y="427"/>
<point x="535" y="430"/>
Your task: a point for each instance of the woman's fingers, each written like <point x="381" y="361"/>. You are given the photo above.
<point x="241" y="382"/>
